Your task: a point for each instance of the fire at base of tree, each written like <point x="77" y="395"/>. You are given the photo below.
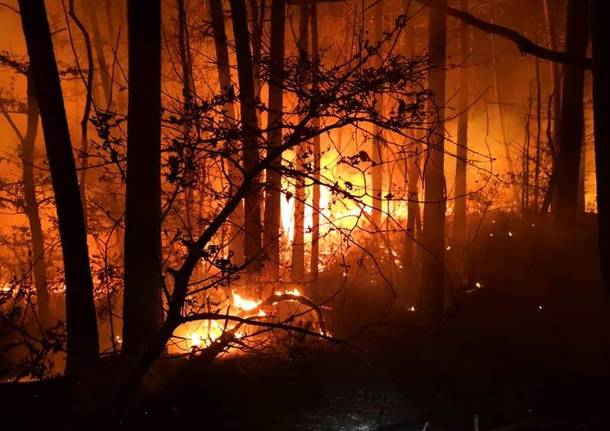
<point x="304" y="214"/>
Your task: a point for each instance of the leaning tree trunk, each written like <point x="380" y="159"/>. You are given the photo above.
<point x="80" y="308"/>
<point x="460" y="227"/>
<point x="274" y="136"/>
<point x="565" y="198"/>
<point x="434" y="181"/>
<point x="142" y="295"/>
<point x="32" y="210"/>
<point x="236" y="220"/>
<point x="600" y="34"/>
<point x="245" y="74"/>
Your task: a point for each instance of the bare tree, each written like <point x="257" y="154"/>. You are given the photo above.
<point x="30" y="201"/>
<point x="32" y="209"/>
<point x="80" y="308"/>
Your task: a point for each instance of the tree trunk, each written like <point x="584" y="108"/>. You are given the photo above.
<point x="555" y="110"/>
<point x="412" y="176"/>
<point x="142" y="295"/>
<point x="433" y="275"/>
<point x="188" y="96"/>
<point x="555" y="78"/>
<point x="80" y="308"/>
<point x="413" y="210"/>
<point x="236" y="220"/>
<point x="298" y="240"/>
<point x="32" y="211"/>
<point x="505" y="139"/>
<point x="188" y="87"/>
<point x="274" y="179"/>
<point x="582" y="179"/>
<point x="252" y="201"/>
<point x="84" y="138"/>
<point x="98" y="44"/>
<point x="565" y="199"/>
<point x="377" y="150"/>
<point x="537" y="160"/>
<point x="258" y="16"/>
<point x="315" y="219"/>
<point x="525" y="176"/>
<point x="108" y="9"/>
<point x="460" y="227"/>
<point x="600" y="34"/>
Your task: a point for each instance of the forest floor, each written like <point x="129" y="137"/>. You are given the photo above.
<point x="528" y="351"/>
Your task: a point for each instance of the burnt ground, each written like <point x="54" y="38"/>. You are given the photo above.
<point x="530" y="350"/>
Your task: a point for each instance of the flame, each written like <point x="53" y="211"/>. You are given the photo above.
<point x="195" y="340"/>
<point x="243" y="303"/>
<point x="295" y="292"/>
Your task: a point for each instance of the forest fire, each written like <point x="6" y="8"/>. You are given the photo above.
<point x="334" y="214"/>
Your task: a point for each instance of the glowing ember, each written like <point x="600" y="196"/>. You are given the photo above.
<point x="478" y="285"/>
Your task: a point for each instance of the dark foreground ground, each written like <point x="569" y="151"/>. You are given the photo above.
<point x="528" y="351"/>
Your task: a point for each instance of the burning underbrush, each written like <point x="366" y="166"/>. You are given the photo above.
<point x="366" y="278"/>
<point x="237" y="324"/>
